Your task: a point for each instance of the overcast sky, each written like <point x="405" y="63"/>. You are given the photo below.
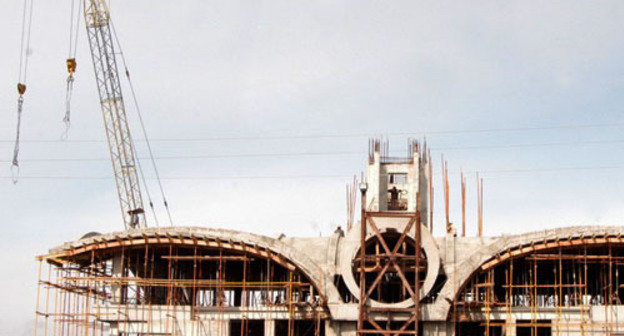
<point x="241" y="78"/>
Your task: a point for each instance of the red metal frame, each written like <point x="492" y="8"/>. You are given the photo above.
<point x="390" y="259"/>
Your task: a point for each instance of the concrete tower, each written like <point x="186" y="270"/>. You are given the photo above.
<point x="397" y="184"/>
<point x="390" y="266"/>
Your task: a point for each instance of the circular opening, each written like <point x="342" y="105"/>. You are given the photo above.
<point x="390" y="274"/>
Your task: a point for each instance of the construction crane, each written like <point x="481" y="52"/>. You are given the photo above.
<point x="102" y="42"/>
<point x="121" y="146"/>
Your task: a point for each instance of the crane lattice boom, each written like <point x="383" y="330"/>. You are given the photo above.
<point x="97" y="20"/>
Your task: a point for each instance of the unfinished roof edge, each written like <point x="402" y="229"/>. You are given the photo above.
<point x="235" y="235"/>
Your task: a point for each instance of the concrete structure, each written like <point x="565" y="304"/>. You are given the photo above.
<point x="202" y="281"/>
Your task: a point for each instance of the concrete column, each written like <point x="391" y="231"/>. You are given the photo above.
<point x="114" y="330"/>
<point x="269" y="327"/>
<point x="211" y="327"/>
<point x="333" y="328"/>
<point x="438" y="328"/>
<point x="450" y="252"/>
<point x="341" y="328"/>
<point x="117" y="273"/>
<point x="510" y="327"/>
<point x="450" y="329"/>
<point x="224" y="327"/>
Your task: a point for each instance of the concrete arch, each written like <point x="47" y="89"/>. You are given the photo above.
<point x="263" y="246"/>
<point x="349" y="252"/>
<point x="505" y="247"/>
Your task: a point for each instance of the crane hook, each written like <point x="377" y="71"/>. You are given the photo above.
<point x="71" y="69"/>
<point x="71" y="66"/>
<point x="21" y="89"/>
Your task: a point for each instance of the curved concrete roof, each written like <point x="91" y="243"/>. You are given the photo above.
<point x="516" y="245"/>
<point x="292" y="252"/>
<point x="202" y="236"/>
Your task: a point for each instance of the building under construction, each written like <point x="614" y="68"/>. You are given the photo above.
<point x="383" y="275"/>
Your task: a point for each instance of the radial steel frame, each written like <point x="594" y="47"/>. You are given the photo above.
<point x="369" y="316"/>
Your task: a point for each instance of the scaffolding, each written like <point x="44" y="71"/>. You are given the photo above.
<point x="567" y="288"/>
<point x="389" y="256"/>
<point x="390" y="265"/>
<point x="171" y="286"/>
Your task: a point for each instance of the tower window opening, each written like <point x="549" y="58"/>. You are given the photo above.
<point x="397" y="200"/>
<point x="397" y="178"/>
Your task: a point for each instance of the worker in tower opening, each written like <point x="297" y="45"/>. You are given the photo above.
<point x="394" y="198"/>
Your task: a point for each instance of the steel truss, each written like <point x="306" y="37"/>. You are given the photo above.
<point x="391" y="259"/>
<point x="97" y="20"/>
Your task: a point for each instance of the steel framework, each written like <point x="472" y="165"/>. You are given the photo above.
<point x="383" y="260"/>
<point x="97" y="20"/>
<point x="173" y="287"/>
<point x="553" y="290"/>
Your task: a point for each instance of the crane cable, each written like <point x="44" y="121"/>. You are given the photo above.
<point x="138" y="161"/>
<point x="149" y="196"/>
<point x="147" y="142"/>
<point x="74" y="28"/>
<point x="21" y="83"/>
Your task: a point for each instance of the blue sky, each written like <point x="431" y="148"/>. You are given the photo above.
<point x="278" y="69"/>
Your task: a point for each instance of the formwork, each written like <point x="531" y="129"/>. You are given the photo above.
<point x="164" y="285"/>
<point x="561" y="287"/>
